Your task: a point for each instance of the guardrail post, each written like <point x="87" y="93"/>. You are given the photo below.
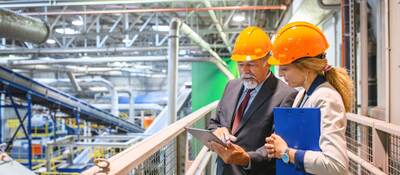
<point x="181" y="153"/>
<point x="380" y="157"/>
<point x="49" y="154"/>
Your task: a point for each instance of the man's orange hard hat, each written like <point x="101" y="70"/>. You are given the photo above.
<point x="251" y="44"/>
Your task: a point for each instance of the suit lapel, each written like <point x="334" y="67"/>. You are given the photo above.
<point x="262" y="96"/>
<point x="236" y="91"/>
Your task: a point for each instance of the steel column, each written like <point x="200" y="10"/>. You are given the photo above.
<point x="173" y="68"/>
<point x="29" y="114"/>
<point x="364" y="57"/>
<point x="77" y="116"/>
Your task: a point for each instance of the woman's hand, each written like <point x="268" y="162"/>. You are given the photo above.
<point x="275" y="146"/>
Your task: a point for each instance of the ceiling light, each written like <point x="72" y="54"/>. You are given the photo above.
<point x="67" y="31"/>
<point x="51" y="41"/>
<point x="161" y="28"/>
<point x="143" y="66"/>
<point x="115" y="72"/>
<point x="77" y="22"/>
<point x="98" y="88"/>
<point x="126" y="40"/>
<point x="182" y="52"/>
<point x="238" y="18"/>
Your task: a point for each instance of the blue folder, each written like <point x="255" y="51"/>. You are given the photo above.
<point x="300" y="128"/>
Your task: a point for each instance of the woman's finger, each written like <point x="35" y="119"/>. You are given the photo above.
<point x="269" y="140"/>
<point x="270" y="152"/>
<point x="270" y="146"/>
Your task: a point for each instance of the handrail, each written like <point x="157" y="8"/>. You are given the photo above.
<point x="125" y="161"/>
<point x="378" y="164"/>
<point x="371" y="168"/>
<point x="374" y="123"/>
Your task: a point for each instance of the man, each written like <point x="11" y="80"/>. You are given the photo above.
<point x="244" y="114"/>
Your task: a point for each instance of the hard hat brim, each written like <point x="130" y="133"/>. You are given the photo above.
<point x="237" y="57"/>
<point x="274" y="61"/>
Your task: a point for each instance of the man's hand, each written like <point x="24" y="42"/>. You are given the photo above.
<point x="224" y="134"/>
<point x="232" y="154"/>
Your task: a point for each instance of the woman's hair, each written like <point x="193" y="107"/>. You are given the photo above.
<point x="337" y="77"/>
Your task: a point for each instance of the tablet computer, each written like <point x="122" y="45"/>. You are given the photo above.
<point x="204" y="136"/>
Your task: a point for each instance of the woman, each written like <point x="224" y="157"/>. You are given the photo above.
<point x="299" y="50"/>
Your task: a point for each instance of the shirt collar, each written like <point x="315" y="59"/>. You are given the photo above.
<point x="317" y="81"/>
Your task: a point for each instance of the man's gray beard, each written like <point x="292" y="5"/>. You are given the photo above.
<point x="250" y="84"/>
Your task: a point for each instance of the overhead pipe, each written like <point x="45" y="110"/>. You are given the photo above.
<point x="110" y="87"/>
<point x="322" y="5"/>
<point x="89" y="50"/>
<point x="46" y="3"/>
<point x="74" y="83"/>
<point x="97" y="60"/>
<point x="131" y="95"/>
<point x="158" y="10"/>
<point x="204" y="45"/>
<point x="112" y="90"/>
<point x="218" y="25"/>
<point x="22" y="28"/>
<point x="79" y="71"/>
<point x="113" y="93"/>
<point x="198" y="40"/>
<point x="58" y="68"/>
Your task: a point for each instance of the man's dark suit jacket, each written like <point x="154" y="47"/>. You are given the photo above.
<point x="255" y="125"/>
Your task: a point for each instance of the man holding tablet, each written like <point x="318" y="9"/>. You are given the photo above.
<point x="244" y="115"/>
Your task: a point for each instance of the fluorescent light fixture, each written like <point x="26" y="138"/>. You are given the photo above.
<point x="77" y="22"/>
<point x="161" y="28"/>
<point x="50" y="41"/>
<point x="126" y="40"/>
<point x="238" y="18"/>
<point x="115" y="72"/>
<point x="142" y="66"/>
<point x="182" y="52"/>
<point x="67" y="31"/>
<point x="98" y="88"/>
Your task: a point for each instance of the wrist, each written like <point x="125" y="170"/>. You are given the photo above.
<point x="246" y="160"/>
<point x="285" y="155"/>
<point x="292" y="153"/>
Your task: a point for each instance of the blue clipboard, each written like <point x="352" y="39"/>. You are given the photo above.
<point x="300" y="128"/>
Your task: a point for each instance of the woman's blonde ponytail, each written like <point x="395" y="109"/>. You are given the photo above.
<point x="337" y="77"/>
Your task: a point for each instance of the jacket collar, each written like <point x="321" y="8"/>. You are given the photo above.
<point x="317" y="81"/>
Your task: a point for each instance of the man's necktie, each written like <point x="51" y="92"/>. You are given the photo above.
<point x="240" y="111"/>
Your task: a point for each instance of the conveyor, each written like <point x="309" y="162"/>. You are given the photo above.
<point x="19" y="85"/>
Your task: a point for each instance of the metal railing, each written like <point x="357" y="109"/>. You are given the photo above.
<point x="165" y="152"/>
<point x="373" y="146"/>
